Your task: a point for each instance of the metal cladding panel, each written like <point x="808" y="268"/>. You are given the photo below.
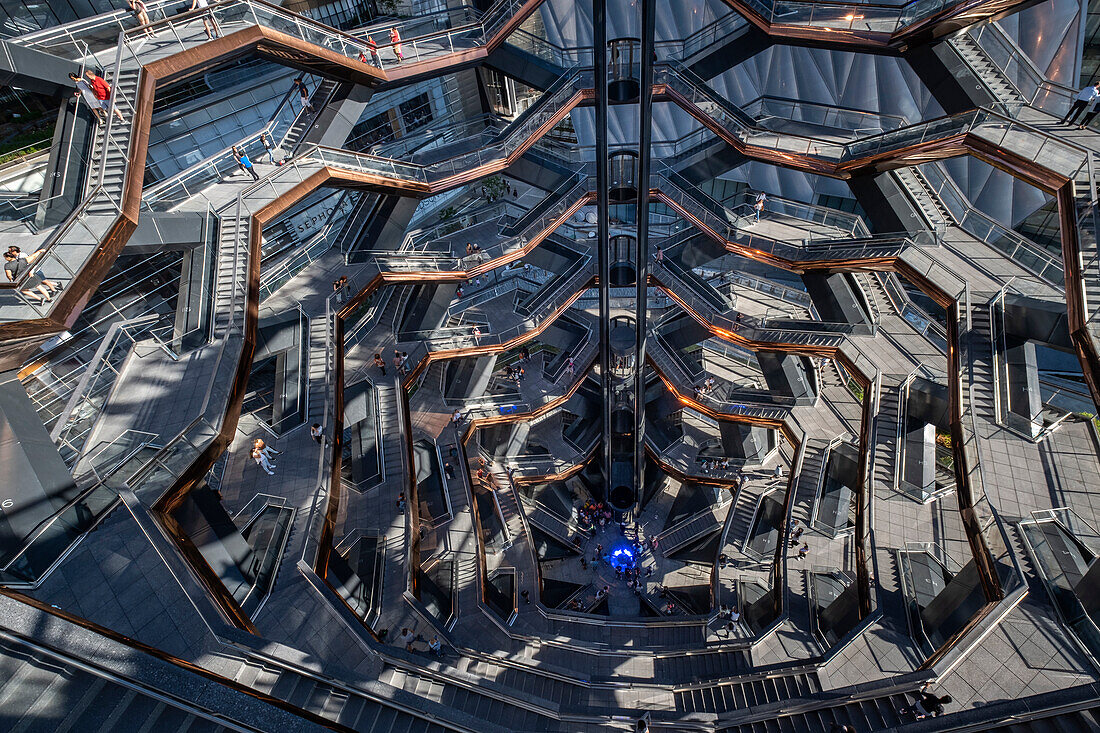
<point x="37" y="482"/>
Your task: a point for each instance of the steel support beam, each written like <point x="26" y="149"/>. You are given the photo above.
<point x="645" y="127"/>
<point x="599" y="53"/>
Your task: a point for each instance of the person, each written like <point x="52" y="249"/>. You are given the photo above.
<point x="141" y="12"/>
<point x="927" y="705"/>
<point x="103" y="91"/>
<point x="797" y="536"/>
<point x="35" y="286"/>
<point x="734" y="616"/>
<point x="264" y="448"/>
<point x="380" y="363"/>
<point x="395" y="39"/>
<point x="435" y="646"/>
<point x="526" y="595"/>
<point x="456" y="417"/>
<point x="1094" y="109"/>
<point x="397" y="362"/>
<point x="263" y="461"/>
<point x="670" y="609"/>
<point x="269" y="146"/>
<point x="758" y="205"/>
<point x="1083" y="99"/>
<point x="570" y="367"/>
<point x="373" y="48"/>
<point x="723" y="560"/>
<point x="407" y="638"/>
<point x="404" y="362"/>
<point x="804" y="550"/>
<point x="401" y="503"/>
<point x="477" y="334"/>
<point x="449" y="470"/>
<point x="317" y="433"/>
<point x="838" y="728"/>
<point x="245" y="164"/>
<point x="84" y="90"/>
<point x="779" y="470"/>
<point x="584" y="563"/>
<point x="303" y="93"/>
<point x="208" y="22"/>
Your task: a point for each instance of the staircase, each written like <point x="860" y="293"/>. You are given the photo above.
<point x="504" y="715"/>
<point x="990" y="75"/>
<point x="321" y="96"/>
<point x="319" y="357"/>
<point x="117" y="147"/>
<point x="887" y="449"/>
<point x="347" y="708"/>
<point x="746" y="694"/>
<point x="928" y="204"/>
<point x="694" y="526"/>
<point x="868" y="714"/>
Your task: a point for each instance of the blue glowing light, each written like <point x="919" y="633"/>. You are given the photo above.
<point x="622" y="558"/>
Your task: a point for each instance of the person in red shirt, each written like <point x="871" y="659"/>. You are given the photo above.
<point x="395" y="39"/>
<point x="374" y="52"/>
<point x="102" y="92"/>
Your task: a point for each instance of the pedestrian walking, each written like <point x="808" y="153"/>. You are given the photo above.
<point x="269" y="146"/>
<point x="404" y="363"/>
<point x="263" y="461"/>
<point x="395" y="39"/>
<point x="401" y="503"/>
<point x="208" y="22"/>
<point x="1094" y="109"/>
<point x="317" y="433"/>
<point x="779" y="470"/>
<point x="103" y="93"/>
<point x="435" y="646"/>
<point x="380" y="363"/>
<point x="1080" y="102"/>
<point x="303" y="94"/>
<point x="449" y="470"/>
<point x="659" y="259"/>
<point x="407" y="638"/>
<point x="397" y="362"/>
<point x="804" y="551"/>
<point x="373" y="48"/>
<point x="927" y="705"/>
<point x="758" y="205"/>
<point x="244" y="163"/>
<point x="526" y="595"/>
<point x="84" y="90"/>
<point x="141" y="13"/>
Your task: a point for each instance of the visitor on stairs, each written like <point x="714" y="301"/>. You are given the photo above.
<point x="84" y="90"/>
<point x="103" y="93"/>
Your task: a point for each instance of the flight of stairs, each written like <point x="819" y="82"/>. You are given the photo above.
<point x="993" y="78"/>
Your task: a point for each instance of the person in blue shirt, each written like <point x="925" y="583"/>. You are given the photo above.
<point x="243" y="161"/>
<point x="1084" y="97"/>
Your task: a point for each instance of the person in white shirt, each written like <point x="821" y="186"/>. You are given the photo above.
<point x="208" y="23"/>
<point x="1084" y="97"/>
